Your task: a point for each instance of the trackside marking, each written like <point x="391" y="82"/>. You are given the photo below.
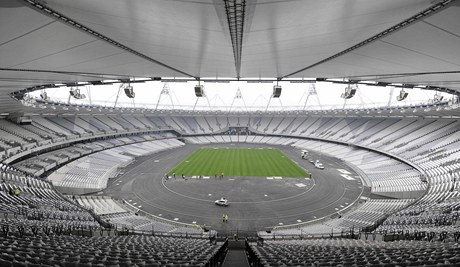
<point x="346" y="174"/>
<point x="344" y="171"/>
<point x="348" y="177"/>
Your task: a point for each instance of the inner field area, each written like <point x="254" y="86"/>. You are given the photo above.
<point x="238" y="162"/>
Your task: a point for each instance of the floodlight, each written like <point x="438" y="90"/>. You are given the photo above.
<point x="75" y="93"/>
<point x="349" y="92"/>
<point x="44" y="95"/>
<point x="402" y="95"/>
<point x="276" y="91"/>
<point x="199" y="91"/>
<point x="437" y="98"/>
<point x="129" y="91"/>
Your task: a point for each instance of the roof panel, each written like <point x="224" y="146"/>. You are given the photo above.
<point x="46" y="41"/>
<point x="13" y="25"/>
<point x="419" y="48"/>
<point x="187" y="35"/>
<point x="295" y="34"/>
<point x="281" y="37"/>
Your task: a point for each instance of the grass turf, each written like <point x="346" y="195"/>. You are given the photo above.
<point x="238" y="162"/>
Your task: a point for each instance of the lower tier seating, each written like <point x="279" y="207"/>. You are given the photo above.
<point x="106" y="251"/>
<point x="346" y="252"/>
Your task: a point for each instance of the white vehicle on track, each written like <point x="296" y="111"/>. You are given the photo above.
<point x="319" y="165"/>
<point x="222" y="202"/>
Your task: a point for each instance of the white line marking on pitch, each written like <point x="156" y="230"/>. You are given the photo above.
<point x="300" y="185"/>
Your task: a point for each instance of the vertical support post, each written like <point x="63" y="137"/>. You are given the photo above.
<point x="118" y="95"/>
<point x="390" y="96"/>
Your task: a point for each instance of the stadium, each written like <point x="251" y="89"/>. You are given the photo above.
<point x="229" y="133"/>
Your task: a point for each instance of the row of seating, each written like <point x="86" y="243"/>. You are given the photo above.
<point x="94" y="171"/>
<point x="346" y="252"/>
<point x="64" y="250"/>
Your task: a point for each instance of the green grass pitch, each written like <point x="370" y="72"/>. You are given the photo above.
<point x="238" y="162"/>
